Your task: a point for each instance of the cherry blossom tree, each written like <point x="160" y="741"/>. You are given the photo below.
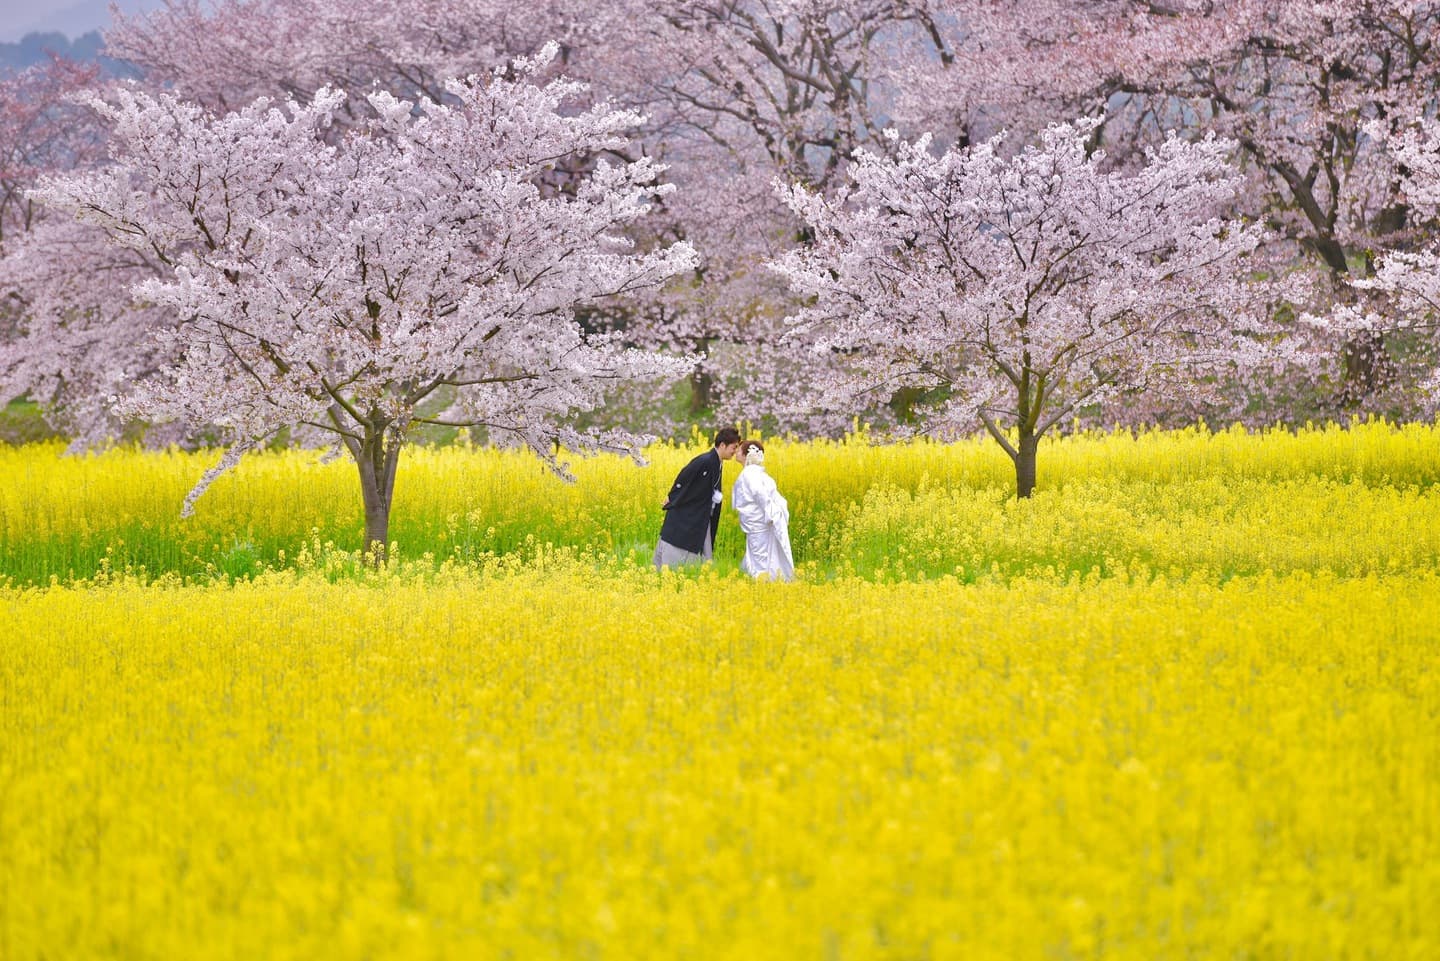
<point x="79" y="339"/>
<point x="1408" y="278"/>
<point x="741" y="92"/>
<point x="419" y="269"/>
<point x="738" y="92"/>
<point x="1021" y="66"/>
<point x="1016" y="290"/>
<point x="227" y="53"/>
<point x="1294" y="90"/>
<point x="1292" y="82"/>
<point x="39" y="132"/>
<point x="69" y="337"/>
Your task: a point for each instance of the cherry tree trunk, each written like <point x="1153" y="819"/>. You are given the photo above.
<point x="1024" y="458"/>
<point x="702" y="391"/>
<point x="1368" y="368"/>
<point x="377" y="462"/>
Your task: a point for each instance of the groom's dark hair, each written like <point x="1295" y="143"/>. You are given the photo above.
<point x="727" y="435"/>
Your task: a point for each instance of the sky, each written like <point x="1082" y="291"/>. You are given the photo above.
<point x="70" y="17"/>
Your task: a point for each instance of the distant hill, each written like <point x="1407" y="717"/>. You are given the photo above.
<point x="36" y="48"/>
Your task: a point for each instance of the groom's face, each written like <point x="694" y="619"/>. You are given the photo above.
<point x="727" y="451"/>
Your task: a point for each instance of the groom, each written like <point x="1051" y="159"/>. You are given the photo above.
<point x="692" y="511"/>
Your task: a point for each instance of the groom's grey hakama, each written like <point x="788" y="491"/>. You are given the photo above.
<point x="692" y="514"/>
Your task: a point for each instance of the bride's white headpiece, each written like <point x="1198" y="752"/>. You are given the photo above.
<point x="754" y="455"/>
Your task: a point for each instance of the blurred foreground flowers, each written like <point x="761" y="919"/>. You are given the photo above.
<point x="558" y="762"/>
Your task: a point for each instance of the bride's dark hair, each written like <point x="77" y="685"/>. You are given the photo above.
<point x="748" y="445"/>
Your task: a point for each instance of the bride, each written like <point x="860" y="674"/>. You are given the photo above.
<point x="764" y="517"/>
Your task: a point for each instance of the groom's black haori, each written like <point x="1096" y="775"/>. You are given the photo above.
<point x="692" y="514"/>
<point x="690" y="510"/>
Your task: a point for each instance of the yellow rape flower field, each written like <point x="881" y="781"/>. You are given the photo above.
<point x="1181" y="704"/>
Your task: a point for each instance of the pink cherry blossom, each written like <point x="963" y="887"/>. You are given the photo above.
<point x="419" y="268"/>
<point x="1020" y="289"/>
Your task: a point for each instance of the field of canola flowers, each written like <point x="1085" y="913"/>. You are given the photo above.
<point x="1181" y="704"/>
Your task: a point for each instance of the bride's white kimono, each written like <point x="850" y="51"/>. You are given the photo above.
<point x="765" y="519"/>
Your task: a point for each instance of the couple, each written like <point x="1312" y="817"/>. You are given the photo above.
<point x="692" y="511"/>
